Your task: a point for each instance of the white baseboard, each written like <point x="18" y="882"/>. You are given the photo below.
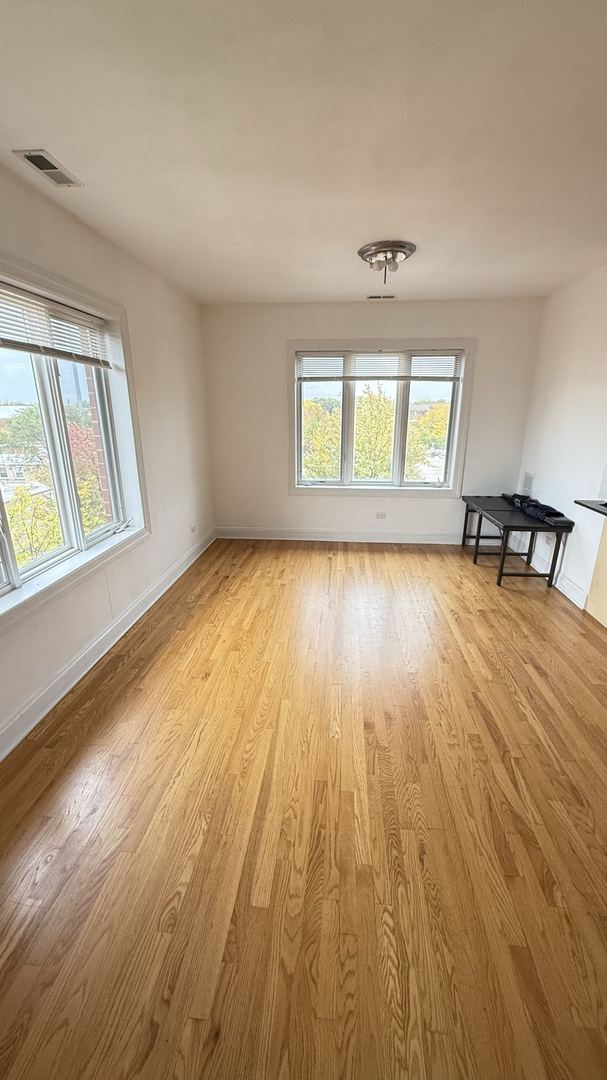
<point x="572" y="591"/>
<point x="229" y="532"/>
<point x="17" y="726"/>
<point x="564" y="584"/>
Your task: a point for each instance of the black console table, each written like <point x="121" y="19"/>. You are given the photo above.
<point x="507" y="519"/>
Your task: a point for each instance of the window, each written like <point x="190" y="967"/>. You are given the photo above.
<point x="378" y="419"/>
<point x="60" y="489"/>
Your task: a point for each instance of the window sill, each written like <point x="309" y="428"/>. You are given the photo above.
<point x="377" y="490"/>
<point x="20" y="603"/>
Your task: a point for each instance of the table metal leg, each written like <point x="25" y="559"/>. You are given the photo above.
<point x="478" y="536"/>
<point x="531" y="548"/>
<point x="505" y="539"/>
<point x="555" y="557"/>
<point x="465" y="532"/>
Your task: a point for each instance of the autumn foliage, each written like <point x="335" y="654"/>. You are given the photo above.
<point x="32" y="508"/>
<point x="374" y="427"/>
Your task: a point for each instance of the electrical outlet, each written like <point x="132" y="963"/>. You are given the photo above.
<point x="192" y="528"/>
<point x="528" y="479"/>
<point x="380" y="514"/>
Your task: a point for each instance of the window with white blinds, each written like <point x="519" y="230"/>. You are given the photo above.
<point x="60" y="487"/>
<point x="378" y="419"/>
<point x="32" y="324"/>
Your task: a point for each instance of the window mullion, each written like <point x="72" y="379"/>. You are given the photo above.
<point x="400" y="424"/>
<point x="298" y="429"/>
<point x="7" y="550"/>
<point x="405" y="393"/>
<point x="108" y="435"/>
<point x="47" y="374"/>
<point x="450" y="432"/>
<point x="347" y="440"/>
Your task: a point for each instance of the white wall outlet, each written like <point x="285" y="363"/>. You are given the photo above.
<point x="380" y="514"/>
<point x="528" y="479"/>
<point x="192" y="528"/>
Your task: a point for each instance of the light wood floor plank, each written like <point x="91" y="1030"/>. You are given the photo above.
<point x="327" y="811"/>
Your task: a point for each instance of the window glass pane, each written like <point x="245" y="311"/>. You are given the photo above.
<point x="321" y="406"/>
<point x="81" y="404"/>
<point x="375" y="409"/>
<point x="427" y="431"/>
<point x="26" y="479"/>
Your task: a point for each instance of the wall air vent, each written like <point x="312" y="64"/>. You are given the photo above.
<point x="377" y="296"/>
<point x="48" y="166"/>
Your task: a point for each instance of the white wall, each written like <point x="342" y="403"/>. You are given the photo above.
<point x="246" y="353"/>
<point x="566" y="437"/>
<point x="40" y="654"/>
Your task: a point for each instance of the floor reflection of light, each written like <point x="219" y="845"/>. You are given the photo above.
<point x="382" y="619"/>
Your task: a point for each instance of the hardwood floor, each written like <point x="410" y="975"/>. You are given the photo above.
<point x="326" y="811"/>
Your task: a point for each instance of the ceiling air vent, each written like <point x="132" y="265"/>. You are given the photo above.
<point x="377" y="296"/>
<point x="49" y="167"/>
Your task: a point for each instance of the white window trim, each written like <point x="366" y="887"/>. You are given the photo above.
<point x="420" y="345"/>
<point x="68" y="567"/>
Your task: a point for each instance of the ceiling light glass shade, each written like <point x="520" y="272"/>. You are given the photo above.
<point x="386" y="253"/>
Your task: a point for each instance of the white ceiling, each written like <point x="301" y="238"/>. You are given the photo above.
<point x="247" y="148"/>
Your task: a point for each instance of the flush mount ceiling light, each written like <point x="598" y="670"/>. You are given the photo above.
<point x="386" y="254"/>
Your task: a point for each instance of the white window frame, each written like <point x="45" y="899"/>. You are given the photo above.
<point x="458" y="419"/>
<point x="122" y="443"/>
<point x="54" y="424"/>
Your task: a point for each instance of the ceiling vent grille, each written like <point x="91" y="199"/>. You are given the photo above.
<point x="48" y="166"/>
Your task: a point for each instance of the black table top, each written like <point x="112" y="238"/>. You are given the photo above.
<point x="504" y="515"/>
<point x="593" y="504"/>
<point x="488" y="502"/>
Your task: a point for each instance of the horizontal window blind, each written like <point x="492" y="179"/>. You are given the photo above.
<point x="30" y="323"/>
<point x="320" y="367"/>
<point x="359" y="366"/>
<point x="436" y="367"/>
<point x="381" y="366"/>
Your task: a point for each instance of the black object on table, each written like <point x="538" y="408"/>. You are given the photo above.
<point x="501" y="513"/>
